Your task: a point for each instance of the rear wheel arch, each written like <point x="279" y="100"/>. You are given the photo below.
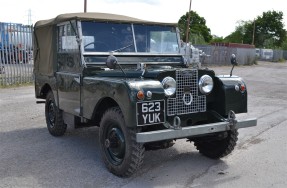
<point x="45" y="90"/>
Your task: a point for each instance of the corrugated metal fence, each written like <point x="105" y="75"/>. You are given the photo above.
<point x="16" y="58"/>
<point x="279" y="55"/>
<point x="285" y="54"/>
<point x="220" y="55"/>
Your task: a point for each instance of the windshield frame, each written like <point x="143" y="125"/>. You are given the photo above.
<point x="134" y="44"/>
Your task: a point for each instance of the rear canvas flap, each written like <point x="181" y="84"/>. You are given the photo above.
<point x="43" y="49"/>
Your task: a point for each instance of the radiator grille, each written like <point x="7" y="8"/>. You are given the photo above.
<point x="186" y="83"/>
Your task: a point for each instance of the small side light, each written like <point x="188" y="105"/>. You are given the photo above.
<point x="149" y="94"/>
<point x="140" y="95"/>
<point x="242" y="88"/>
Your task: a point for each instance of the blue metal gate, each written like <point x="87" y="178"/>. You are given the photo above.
<point x="16" y="58"/>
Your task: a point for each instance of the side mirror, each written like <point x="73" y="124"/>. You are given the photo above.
<point x="233" y="60"/>
<point x="111" y="62"/>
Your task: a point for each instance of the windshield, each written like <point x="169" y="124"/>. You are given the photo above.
<point x="123" y="37"/>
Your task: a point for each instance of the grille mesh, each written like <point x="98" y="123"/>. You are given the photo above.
<point x="186" y="83"/>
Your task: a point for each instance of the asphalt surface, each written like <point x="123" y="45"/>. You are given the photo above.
<point x="31" y="157"/>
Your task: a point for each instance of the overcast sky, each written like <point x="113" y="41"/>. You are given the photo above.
<point x="221" y="15"/>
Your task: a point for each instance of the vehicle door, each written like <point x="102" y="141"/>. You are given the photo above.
<point x="68" y="68"/>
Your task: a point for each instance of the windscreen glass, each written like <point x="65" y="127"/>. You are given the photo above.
<point x="123" y="37"/>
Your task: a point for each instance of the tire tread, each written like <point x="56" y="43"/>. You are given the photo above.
<point x="219" y="148"/>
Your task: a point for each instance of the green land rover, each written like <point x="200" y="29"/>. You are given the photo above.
<point x="131" y="78"/>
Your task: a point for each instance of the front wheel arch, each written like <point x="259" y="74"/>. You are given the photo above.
<point x="102" y="106"/>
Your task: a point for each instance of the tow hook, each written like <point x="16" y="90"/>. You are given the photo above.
<point x="176" y="124"/>
<point x="232" y="120"/>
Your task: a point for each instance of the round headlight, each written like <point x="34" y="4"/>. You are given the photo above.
<point x="205" y="84"/>
<point x="169" y="86"/>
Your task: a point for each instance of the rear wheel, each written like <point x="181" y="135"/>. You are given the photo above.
<point x="54" y="116"/>
<point x="216" y="149"/>
<point x="121" y="153"/>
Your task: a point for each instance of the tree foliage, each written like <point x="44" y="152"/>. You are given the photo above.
<point x="284" y="45"/>
<point x="197" y="28"/>
<point x="268" y="31"/>
<point x="270" y="27"/>
<point x="237" y="36"/>
<point x="217" y="39"/>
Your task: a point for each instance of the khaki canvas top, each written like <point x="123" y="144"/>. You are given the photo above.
<point x="44" y="37"/>
<point x="95" y="16"/>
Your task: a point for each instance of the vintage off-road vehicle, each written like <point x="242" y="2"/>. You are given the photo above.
<point x="130" y="78"/>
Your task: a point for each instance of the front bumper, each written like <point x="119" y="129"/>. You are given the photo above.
<point x="185" y="132"/>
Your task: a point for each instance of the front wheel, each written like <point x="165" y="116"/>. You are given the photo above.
<point x="54" y="117"/>
<point x="215" y="148"/>
<point x="121" y="153"/>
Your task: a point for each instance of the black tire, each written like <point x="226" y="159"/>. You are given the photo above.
<point x="216" y="149"/>
<point x="121" y="153"/>
<point x="54" y="117"/>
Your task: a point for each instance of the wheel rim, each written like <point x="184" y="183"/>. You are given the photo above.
<point x="51" y="114"/>
<point x="114" y="144"/>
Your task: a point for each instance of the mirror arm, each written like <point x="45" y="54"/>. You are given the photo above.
<point x="232" y="70"/>
<point x="122" y="69"/>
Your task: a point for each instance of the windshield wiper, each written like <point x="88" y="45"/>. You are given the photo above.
<point x="123" y="48"/>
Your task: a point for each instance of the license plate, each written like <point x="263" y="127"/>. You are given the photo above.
<point x="151" y="112"/>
